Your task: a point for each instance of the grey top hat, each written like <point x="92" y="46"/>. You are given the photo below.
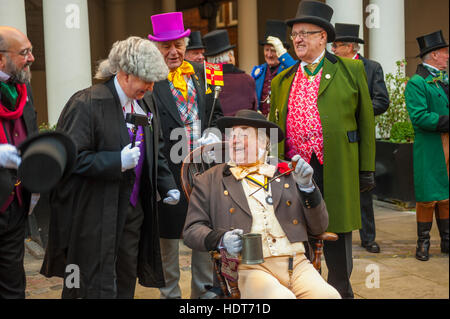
<point x="249" y="118"/>
<point x="217" y="42"/>
<point x="47" y="158"/>
<point x="195" y="41"/>
<point x="430" y="42"/>
<point x="346" y="32"/>
<point x="317" y="13"/>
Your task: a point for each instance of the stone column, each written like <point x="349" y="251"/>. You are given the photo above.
<point x="248" y="34"/>
<point x="348" y="11"/>
<point x="386" y="23"/>
<point x="12" y="13"/>
<point x="67" y="52"/>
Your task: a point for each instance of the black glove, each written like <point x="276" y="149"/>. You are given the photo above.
<point x="442" y="126"/>
<point x="366" y="181"/>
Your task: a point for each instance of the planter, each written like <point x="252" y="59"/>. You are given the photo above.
<point x="394" y="173"/>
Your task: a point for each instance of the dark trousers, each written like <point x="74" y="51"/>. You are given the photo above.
<point x="12" y="235"/>
<point x="338" y="254"/>
<point x="367" y="231"/>
<point x="127" y="258"/>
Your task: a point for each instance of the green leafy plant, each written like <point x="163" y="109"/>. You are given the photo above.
<point x="402" y="132"/>
<point x="397" y="112"/>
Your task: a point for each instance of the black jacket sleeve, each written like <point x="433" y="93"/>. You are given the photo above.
<point x="379" y="94"/>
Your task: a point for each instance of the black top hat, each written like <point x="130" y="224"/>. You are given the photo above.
<point x="346" y="32"/>
<point x="46" y="159"/>
<point x="217" y="42"/>
<point x="195" y="41"/>
<point x="249" y="118"/>
<point x="431" y="42"/>
<point x="317" y="13"/>
<point x="275" y="28"/>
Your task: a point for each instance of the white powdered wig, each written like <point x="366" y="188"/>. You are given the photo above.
<point x="136" y="56"/>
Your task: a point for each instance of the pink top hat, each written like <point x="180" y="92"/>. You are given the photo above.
<point x="168" y="27"/>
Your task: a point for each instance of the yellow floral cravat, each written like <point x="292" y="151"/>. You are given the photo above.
<point x="177" y="78"/>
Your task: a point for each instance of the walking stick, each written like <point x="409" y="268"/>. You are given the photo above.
<point x="217" y="90"/>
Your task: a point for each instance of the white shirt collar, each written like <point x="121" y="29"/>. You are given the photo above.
<point x="124" y="99"/>
<point x="430" y="66"/>
<point x="4" y="77"/>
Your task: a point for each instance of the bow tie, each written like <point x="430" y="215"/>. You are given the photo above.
<point x="176" y="77"/>
<point x="240" y="172"/>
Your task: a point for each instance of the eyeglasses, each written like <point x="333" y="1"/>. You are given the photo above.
<point x="24" y="52"/>
<point x="303" y="34"/>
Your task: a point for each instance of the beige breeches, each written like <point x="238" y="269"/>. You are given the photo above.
<point x="270" y="280"/>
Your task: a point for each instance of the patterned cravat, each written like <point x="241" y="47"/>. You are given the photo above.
<point x="438" y="75"/>
<point x="312" y="69"/>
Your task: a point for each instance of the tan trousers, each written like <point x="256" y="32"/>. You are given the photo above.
<point x="270" y="280"/>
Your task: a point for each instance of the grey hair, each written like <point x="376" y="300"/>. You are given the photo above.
<point x="220" y="58"/>
<point x="3" y="43"/>
<point x="136" y="56"/>
<point x="356" y="47"/>
<point x="186" y="41"/>
<point x="427" y="57"/>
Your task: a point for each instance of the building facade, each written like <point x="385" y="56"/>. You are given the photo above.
<point x="71" y="36"/>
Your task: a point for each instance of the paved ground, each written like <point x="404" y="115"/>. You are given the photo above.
<point x="393" y="273"/>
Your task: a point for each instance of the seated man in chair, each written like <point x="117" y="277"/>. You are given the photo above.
<point x="228" y="200"/>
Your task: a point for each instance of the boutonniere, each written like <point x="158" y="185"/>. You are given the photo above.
<point x="283" y="167"/>
<point x="208" y="91"/>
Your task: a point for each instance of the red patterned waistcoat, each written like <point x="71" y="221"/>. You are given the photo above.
<point x="303" y="126"/>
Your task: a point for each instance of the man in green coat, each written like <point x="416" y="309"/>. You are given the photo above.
<point x="427" y="103"/>
<point x="323" y="105"/>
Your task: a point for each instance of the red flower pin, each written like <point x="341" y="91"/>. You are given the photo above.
<point x="283" y="167"/>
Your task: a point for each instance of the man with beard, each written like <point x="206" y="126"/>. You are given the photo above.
<point x="17" y="121"/>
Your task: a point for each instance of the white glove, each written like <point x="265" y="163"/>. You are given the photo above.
<point x="173" y="197"/>
<point x="277" y="44"/>
<point x="9" y="156"/>
<point x="130" y="156"/>
<point x="303" y="173"/>
<point x="208" y="138"/>
<point x="232" y="241"/>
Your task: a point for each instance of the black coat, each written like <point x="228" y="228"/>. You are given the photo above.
<point x="171" y="218"/>
<point x="377" y="86"/>
<point x="8" y="177"/>
<point x="88" y="210"/>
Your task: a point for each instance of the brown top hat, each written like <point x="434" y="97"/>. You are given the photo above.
<point x="249" y="118"/>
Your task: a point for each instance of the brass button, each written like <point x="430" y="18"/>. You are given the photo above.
<point x="288" y="203"/>
<point x="274" y="240"/>
<point x="225" y="193"/>
<point x="232" y="210"/>
<point x="295" y="222"/>
<point x="286" y="185"/>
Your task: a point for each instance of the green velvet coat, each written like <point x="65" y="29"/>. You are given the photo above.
<point x="426" y="101"/>
<point x="348" y="125"/>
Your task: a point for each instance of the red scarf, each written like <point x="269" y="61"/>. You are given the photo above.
<point x="6" y="114"/>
